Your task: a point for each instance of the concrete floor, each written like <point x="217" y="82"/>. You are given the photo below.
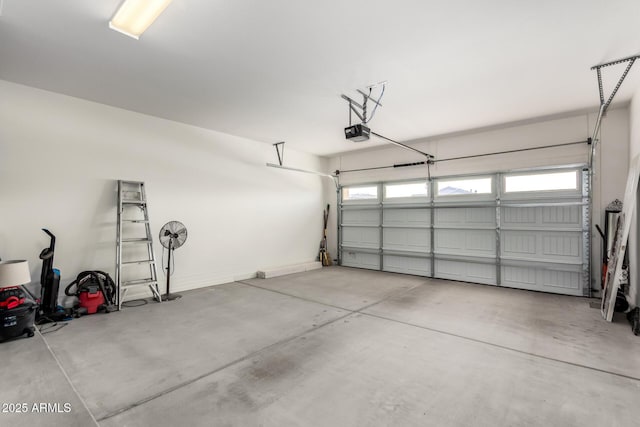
<point x="333" y="347"/>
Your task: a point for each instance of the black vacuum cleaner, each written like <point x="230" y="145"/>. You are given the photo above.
<point x="50" y="283"/>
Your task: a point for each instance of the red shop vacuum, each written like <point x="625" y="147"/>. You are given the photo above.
<point x="95" y="290"/>
<point x="17" y="313"/>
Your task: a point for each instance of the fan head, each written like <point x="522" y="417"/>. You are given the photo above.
<point x="173" y="234"/>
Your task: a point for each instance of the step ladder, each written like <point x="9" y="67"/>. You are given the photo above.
<point x="132" y="214"/>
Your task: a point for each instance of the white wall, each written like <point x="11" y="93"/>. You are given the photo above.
<point x="60" y="158"/>
<point x="609" y="180"/>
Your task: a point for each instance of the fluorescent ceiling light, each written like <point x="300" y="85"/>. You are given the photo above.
<point x="135" y="16"/>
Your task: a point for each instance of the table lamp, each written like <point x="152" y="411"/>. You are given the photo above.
<point x="14" y="273"/>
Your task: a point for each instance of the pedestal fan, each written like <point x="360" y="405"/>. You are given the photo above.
<point x="172" y="235"/>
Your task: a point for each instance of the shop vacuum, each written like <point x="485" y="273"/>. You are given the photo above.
<point x="95" y="290"/>
<point x="17" y="313"/>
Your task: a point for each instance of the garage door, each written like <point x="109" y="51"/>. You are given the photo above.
<point x="524" y="230"/>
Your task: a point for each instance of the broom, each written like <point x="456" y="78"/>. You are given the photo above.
<point x="325" y="257"/>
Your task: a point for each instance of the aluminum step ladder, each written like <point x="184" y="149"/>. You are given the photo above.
<point x="132" y="214"/>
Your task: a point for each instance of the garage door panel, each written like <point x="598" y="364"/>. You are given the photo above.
<point x="562" y="215"/>
<point x="408" y="217"/>
<point x="481" y="216"/>
<point x="562" y="245"/>
<point x="542" y="217"/>
<point x="565" y="247"/>
<point x="568" y="282"/>
<point x="361" y="237"/>
<point x="410" y="239"/>
<point x="465" y="217"/>
<point x="518" y="244"/>
<point x="518" y="216"/>
<point x="408" y="265"/>
<point x="361" y="216"/>
<point x="360" y="260"/>
<point x="466" y="242"/>
<point x="519" y="277"/>
<point x="562" y="280"/>
<point x="466" y="271"/>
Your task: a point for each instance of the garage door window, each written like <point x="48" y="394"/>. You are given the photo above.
<point x="406" y="190"/>
<point x="460" y="187"/>
<point x="541" y="182"/>
<point x="369" y="192"/>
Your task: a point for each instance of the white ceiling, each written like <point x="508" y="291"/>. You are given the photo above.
<point x="273" y="70"/>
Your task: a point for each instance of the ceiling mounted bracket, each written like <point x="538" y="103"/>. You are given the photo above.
<point x="604" y="105"/>
<point x="352" y="109"/>
<point x="280" y="155"/>
<point x="280" y="165"/>
<point x="630" y="60"/>
<point x="360" y="110"/>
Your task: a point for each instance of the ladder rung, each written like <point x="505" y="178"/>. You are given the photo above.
<point x="137" y="240"/>
<point x="134" y="202"/>
<point x="143" y="221"/>
<point x="144" y="261"/>
<point x="139" y="282"/>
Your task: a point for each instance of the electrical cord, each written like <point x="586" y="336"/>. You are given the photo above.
<point x="162" y="258"/>
<point x="373" y="112"/>
<point x="173" y="264"/>
<point x="135" y="303"/>
<point x="53" y="327"/>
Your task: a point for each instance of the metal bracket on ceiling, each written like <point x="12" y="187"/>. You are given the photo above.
<point x="280" y="156"/>
<point x="360" y="110"/>
<point x="604" y="105"/>
<point x="280" y="165"/>
<point x="630" y="60"/>
<point x="352" y="109"/>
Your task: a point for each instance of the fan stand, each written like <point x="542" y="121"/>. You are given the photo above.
<point x="169" y="296"/>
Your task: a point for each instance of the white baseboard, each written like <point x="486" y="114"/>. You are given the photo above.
<point x="288" y="269"/>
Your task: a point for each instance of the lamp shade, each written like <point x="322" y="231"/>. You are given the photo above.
<point x="14" y="273"/>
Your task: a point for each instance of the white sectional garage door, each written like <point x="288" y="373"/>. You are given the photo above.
<point x="524" y="230"/>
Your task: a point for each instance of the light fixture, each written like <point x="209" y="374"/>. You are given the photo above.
<point x="135" y="16"/>
<point x="14" y="273"/>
